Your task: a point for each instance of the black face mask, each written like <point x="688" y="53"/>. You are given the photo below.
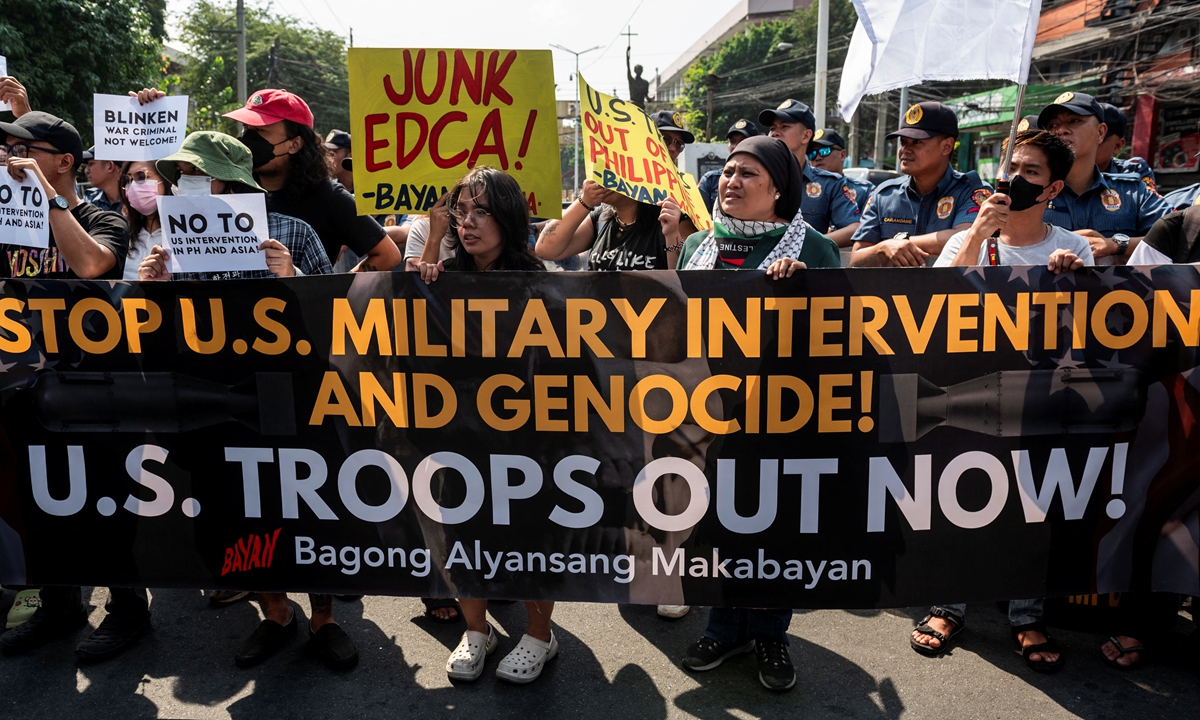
<point x="262" y="151"/>
<point x="1022" y="194"/>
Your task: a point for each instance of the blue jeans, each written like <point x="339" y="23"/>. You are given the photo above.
<point x="730" y="624"/>
<point x="1020" y="612"/>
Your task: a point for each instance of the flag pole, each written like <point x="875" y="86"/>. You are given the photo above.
<point x="1002" y="179"/>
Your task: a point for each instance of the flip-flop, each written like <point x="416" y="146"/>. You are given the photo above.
<point x="1050" y="646"/>
<point x="432" y="604"/>
<point x="1123" y="651"/>
<point x="924" y="628"/>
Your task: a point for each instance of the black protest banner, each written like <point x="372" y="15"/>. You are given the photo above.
<point x="704" y="437"/>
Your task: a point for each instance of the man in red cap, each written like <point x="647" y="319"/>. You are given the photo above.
<point x="289" y="161"/>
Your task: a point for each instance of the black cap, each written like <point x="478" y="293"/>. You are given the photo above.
<point x="791" y="111"/>
<point x="927" y="119"/>
<point x="89" y="154"/>
<point x="667" y="120"/>
<point x="1029" y="122"/>
<point x="337" y="140"/>
<point x="38" y="125"/>
<point x="1078" y="103"/>
<point x="1115" y="120"/>
<point x="743" y="127"/>
<point x="829" y="138"/>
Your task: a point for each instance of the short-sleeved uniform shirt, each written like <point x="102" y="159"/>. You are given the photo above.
<point x="307" y="253"/>
<point x="329" y="209"/>
<point x="97" y="197"/>
<point x="858" y="192"/>
<point x="1184" y="197"/>
<point x="896" y="207"/>
<point x="825" y="204"/>
<point x="107" y="228"/>
<point x="1135" y="166"/>
<point x="1113" y="204"/>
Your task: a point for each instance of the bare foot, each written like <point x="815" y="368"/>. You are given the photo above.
<point x="1114" y="655"/>
<point x="942" y="625"/>
<point x="1035" y="637"/>
<point x="445" y="614"/>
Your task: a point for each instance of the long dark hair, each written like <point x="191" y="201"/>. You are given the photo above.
<point x="309" y="165"/>
<point x="137" y="221"/>
<point x="509" y="212"/>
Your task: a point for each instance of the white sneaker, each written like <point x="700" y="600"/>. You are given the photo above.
<point x="674" y="612"/>
<point x="524" y="664"/>
<point x="467" y="660"/>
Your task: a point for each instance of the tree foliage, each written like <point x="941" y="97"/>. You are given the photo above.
<point x="309" y="62"/>
<point x="749" y="72"/>
<point x="64" y="51"/>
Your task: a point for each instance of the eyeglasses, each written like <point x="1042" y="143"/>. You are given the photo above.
<point x="138" y="178"/>
<point x="820" y="152"/>
<point x="21" y="150"/>
<point x="674" y="143"/>
<point x="478" y="217"/>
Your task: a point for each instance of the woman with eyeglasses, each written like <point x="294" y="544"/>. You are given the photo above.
<point x="140" y="186"/>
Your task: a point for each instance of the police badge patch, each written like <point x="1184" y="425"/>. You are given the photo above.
<point x="813" y="190"/>
<point x="945" y="206"/>
<point x="1111" y="200"/>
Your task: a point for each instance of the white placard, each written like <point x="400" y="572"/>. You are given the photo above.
<point x="126" y="130"/>
<point x="23" y="211"/>
<point x="214" y="233"/>
<point x="4" y="71"/>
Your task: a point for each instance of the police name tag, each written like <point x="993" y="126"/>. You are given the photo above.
<point x="214" y="233"/>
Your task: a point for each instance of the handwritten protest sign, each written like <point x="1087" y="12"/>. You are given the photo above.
<point x="126" y="130"/>
<point x="23" y="212"/>
<point x="214" y="233"/>
<point x="421" y="118"/>
<point x="624" y="151"/>
<point x="4" y="105"/>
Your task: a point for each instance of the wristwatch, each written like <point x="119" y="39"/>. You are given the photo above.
<point x="1122" y="241"/>
<point x="58" y="202"/>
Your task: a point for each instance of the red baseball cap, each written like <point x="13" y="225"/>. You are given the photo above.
<point x="271" y="106"/>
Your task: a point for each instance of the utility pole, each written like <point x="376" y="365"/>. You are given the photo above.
<point x="351" y="37"/>
<point x="822" y="62"/>
<point x="575" y="157"/>
<point x="880" y="133"/>
<point x="273" y="65"/>
<point x="241" y="51"/>
<point x="903" y="106"/>
<point x="710" y="82"/>
<point x="852" y="141"/>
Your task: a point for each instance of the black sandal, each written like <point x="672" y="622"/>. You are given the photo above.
<point x="1050" y="646"/>
<point x="432" y="604"/>
<point x="957" y="625"/>
<point x="1123" y="651"/>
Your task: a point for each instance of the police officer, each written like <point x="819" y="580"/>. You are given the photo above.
<point x="824" y="204"/>
<point x="741" y="130"/>
<point x="1029" y="122"/>
<point x="827" y="151"/>
<point x="1106" y="159"/>
<point x="909" y="219"/>
<point x="1184" y="197"/>
<point x="670" y="124"/>
<point x="1113" y="211"/>
<point x="337" y="147"/>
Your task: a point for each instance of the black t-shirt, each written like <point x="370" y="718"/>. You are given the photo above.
<point x="1169" y="235"/>
<point x="640" y="246"/>
<point x="107" y="228"/>
<point x="331" y="212"/>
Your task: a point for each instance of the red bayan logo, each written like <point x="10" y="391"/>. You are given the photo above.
<point x="253" y="551"/>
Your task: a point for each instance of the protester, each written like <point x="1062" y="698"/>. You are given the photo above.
<point x="289" y="161"/>
<point x="1112" y="211"/>
<point x="830" y="155"/>
<point x="489" y="221"/>
<point x="910" y="218"/>
<point x="741" y="130"/>
<point x="337" y="149"/>
<point x="756" y="225"/>
<point x="104" y="176"/>
<point x="140" y="187"/>
<point x="14" y="93"/>
<point x="1114" y="140"/>
<point x="825" y="205"/>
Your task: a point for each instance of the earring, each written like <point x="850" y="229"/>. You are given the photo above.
<point x="776" y="196"/>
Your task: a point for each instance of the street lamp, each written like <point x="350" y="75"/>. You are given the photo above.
<point x="575" y="157"/>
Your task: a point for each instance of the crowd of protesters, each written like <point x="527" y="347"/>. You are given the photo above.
<point x="780" y="204"/>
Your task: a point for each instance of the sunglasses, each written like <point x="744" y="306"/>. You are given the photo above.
<point x="674" y="143"/>
<point x="137" y="178"/>
<point x="820" y="152"/>
<point x="21" y="150"/>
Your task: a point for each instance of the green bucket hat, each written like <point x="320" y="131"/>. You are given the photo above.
<point x="215" y="154"/>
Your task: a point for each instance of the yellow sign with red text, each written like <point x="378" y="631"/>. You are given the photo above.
<point x="624" y="151"/>
<point x="421" y="118"/>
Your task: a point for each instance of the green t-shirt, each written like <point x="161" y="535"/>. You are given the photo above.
<point x="818" y="251"/>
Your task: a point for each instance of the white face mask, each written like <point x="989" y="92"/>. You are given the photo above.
<point x="194" y="185"/>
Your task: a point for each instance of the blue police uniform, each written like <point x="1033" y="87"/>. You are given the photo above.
<point x="826" y="204"/>
<point x="1113" y="204"/>
<point x="97" y="197"/>
<point x="1184" y="197"/>
<point x="708" y="188"/>
<point x="1134" y="166"/>
<point x="858" y="191"/>
<point x="896" y="207"/>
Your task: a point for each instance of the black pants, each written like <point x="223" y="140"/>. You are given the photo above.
<point x="133" y="602"/>
<point x="1147" y="616"/>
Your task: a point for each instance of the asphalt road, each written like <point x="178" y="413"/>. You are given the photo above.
<point x="615" y="662"/>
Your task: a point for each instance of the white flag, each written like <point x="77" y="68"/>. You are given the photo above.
<point x="898" y="43"/>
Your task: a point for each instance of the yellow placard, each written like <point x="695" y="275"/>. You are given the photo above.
<point x="421" y="118"/>
<point x="624" y="151"/>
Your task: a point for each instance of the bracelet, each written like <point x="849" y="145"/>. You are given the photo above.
<point x="676" y="247"/>
<point x="581" y="202"/>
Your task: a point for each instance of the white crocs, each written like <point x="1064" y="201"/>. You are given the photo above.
<point x="467" y="660"/>
<point x="673" y="612"/>
<point x="524" y="664"/>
